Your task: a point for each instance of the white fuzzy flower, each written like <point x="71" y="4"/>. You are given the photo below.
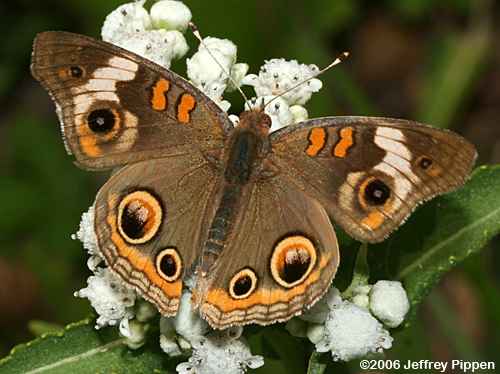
<point x="220" y="354"/>
<point x="86" y="234"/>
<point x="389" y="302"/>
<point x="130" y="27"/>
<point x="299" y="113"/>
<point x="202" y="68"/>
<point x="188" y="323"/>
<point x="278" y="75"/>
<point x="280" y="112"/>
<point x="351" y="332"/>
<point x="318" y="313"/>
<point x="170" y="15"/>
<point x="238" y="72"/>
<point x="159" y="46"/>
<point x="178" y="333"/>
<point x="205" y="73"/>
<point x="110" y="298"/>
<point x="126" y="19"/>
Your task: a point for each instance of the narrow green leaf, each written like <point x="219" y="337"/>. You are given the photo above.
<point x="82" y="349"/>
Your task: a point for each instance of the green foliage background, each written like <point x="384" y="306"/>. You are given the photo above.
<point x="435" y="62"/>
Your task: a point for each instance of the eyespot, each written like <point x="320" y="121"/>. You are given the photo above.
<point x="292" y="261"/>
<point x="169" y="264"/>
<point x="139" y="217"/>
<point x="424" y="162"/>
<point x="73" y="71"/>
<point x="76" y="71"/>
<point x="102" y="120"/>
<point x="242" y="284"/>
<point x="374" y="191"/>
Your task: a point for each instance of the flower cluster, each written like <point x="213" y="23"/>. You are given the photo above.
<point x="348" y="328"/>
<point x="351" y="328"/>
<point x="156" y="35"/>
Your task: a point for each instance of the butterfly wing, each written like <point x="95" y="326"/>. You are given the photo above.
<point x="150" y="218"/>
<point x="370" y="173"/>
<point x="279" y="258"/>
<point x="116" y="107"/>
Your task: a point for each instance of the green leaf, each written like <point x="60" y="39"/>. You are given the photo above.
<point x="82" y="349"/>
<point x="441" y="234"/>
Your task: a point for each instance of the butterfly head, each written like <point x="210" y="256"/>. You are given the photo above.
<point x="255" y="120"/>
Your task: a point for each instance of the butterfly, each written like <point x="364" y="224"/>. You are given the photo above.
<point x="242" y="212"/>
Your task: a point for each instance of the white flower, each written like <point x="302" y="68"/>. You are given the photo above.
<point x="238" y="72"/>
<point x="389" y="302"/>
<point x="86" y="234"/>
<point x="130" y="27"/>
<point x="318" y="313"/>
<point x="188" y="323"/>
<point x="202" y="68"/>
<point x="178" y="333"/>
<point x="278" y="75"/>
<point x="220" y="354"/>
<point x="110" y="298"/>
<point x="127" y="18"/>
<point x="299" y="113"/>
<point x="205" y="73"/>
<point x="280" y="112"/>
<point x="351" y="332"/>
<point x="170" y="15"/>
<point x="159" y="46"/>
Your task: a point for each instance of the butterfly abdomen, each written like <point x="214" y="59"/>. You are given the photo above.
<point x="243" y="152"/>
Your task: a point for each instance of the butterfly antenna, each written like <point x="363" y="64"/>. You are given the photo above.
<point x="196" y="33"/>
<point x="337" y="61"/>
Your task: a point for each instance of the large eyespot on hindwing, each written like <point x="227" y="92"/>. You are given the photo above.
<point x="242" y="284"/>
<point x="140" y="215"/>
<point x="292" y="260"/>
<point x="168" y="264"/>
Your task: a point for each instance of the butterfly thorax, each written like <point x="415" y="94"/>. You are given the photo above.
<point x="246" y="147"/>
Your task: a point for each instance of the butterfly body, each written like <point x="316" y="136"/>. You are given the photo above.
<point x="242" y="212"/>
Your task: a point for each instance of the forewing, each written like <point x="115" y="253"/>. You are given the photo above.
<point x="368" y="172"/>
<point x="116" y="107"/>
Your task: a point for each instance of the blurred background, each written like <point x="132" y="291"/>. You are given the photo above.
<point x="435" y="62"/>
